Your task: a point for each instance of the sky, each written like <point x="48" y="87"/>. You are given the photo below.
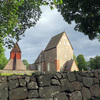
<point x="50" y="24"/>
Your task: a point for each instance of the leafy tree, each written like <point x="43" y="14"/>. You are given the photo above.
<point x="3" y="60"/>
<point x="25" y="62"/>
<point x="74" y="57"/>
<point x="18" y="15"/>
<point x="94" y="63"/>
<point x="85" y="13"/>
<point x="81" y="62"/>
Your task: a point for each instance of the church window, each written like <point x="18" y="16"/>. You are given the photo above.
<point x="64" y="43"/>
<point x="48" y="67"/>
<point x="60" y="42"/>
<point x="68" y="43"/>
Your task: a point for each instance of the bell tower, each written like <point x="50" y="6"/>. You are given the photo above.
<point x="15" y="52"/>
<point x="15" y="62"/>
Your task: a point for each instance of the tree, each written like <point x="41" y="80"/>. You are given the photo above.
<point x="81" y="62"/>
<point x="74" y="57"/>
<point x="94" y="63"/>
<point x="25" y="62"/>
<point x="3" y="60"/>
<point x="18" y="15"/>
<point x="85" y="13"/>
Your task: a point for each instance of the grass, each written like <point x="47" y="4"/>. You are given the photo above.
<point x="8" y="74"/>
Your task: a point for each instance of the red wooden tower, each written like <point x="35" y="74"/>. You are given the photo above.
<point x="15" y="62"/>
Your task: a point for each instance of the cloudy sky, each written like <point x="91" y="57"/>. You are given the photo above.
<point x="50" y="24"/>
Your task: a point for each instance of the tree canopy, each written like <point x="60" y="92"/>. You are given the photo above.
<point x="3" y="60"/>
<point x="85" y="13"/>
<point x="74" y="57"/>
<point x="25" y="62"/>
<point x="18" y="15"/>
<point x="94" y="63"/>
<point x="81" y="62"/>
<point x="15" y="17"/>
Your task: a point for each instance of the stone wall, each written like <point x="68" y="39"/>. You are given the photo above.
<point x="51" y="86"/>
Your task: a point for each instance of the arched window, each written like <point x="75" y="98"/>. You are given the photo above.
<point x="48" y="67"/>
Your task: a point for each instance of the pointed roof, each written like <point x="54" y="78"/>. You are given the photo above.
<point x="68" y="65"/>
<point x="16" y="48"/>
<point x="15" y="64"/>
<point x="54" y="41"/>
<point x="40" y="58"/>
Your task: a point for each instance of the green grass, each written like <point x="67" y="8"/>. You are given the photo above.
<point x="8" y="74"/>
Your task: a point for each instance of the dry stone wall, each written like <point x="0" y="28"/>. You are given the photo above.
<point x="51" y="86"/>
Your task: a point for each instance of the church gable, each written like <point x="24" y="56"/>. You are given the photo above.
<point x="64" y="40"/>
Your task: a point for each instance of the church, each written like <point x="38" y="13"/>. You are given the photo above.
<point x="15" y="62"/>
<point x="57" y="56"/>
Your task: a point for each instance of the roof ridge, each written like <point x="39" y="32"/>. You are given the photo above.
<point x="16" y="48"/>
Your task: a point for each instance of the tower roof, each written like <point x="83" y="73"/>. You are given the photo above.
<point x="16" y="48"/>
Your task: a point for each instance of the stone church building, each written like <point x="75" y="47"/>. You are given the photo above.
<point x="15" y="62"/>
<point x="57" y="56"/>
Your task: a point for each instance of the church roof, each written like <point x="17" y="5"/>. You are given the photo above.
<point x="54" y="41"/>
<point x="15" y="64"/>
<point x="68" y="65"/>
<point x="16" y="48"/>
<point x="40" y="58"/>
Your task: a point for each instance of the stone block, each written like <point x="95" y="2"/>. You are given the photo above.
<point x="49" y="91"/>
<point x="71" y="76"/>
<point x="75" y="95"/>
<point x="96" y="74"/>
<point x="22" y="82"/>
<point x="41" y="99"/>
<point x="95" y="80"/>
<point x="57" y="75"/>
<point x="33" y="79"/>
<point x="32" y="85"/>
<point x="33" y="94"/>
<point x="3" y="91"/>
<point x="61" y="96"/>
<point x="55" y="82"/>
<point x="12" y="77"/>
<point x="44" y="80"/>
<point x="86" y="93"/>
<point x="18" y="76"/>
<point x="77" y="85"/>
<point x="13" y="84"/>
<point x="79" y="77"/>
<point x="3" y="79"/>
<point x="91" y="74"/>
<point x="95" y="90"/>
<point x="27" y="78"/>
<point x="64" y="75"/>
<point x="87" y="81"/>
<point x="66" y="85"/>
<point x="18" y="93"/>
